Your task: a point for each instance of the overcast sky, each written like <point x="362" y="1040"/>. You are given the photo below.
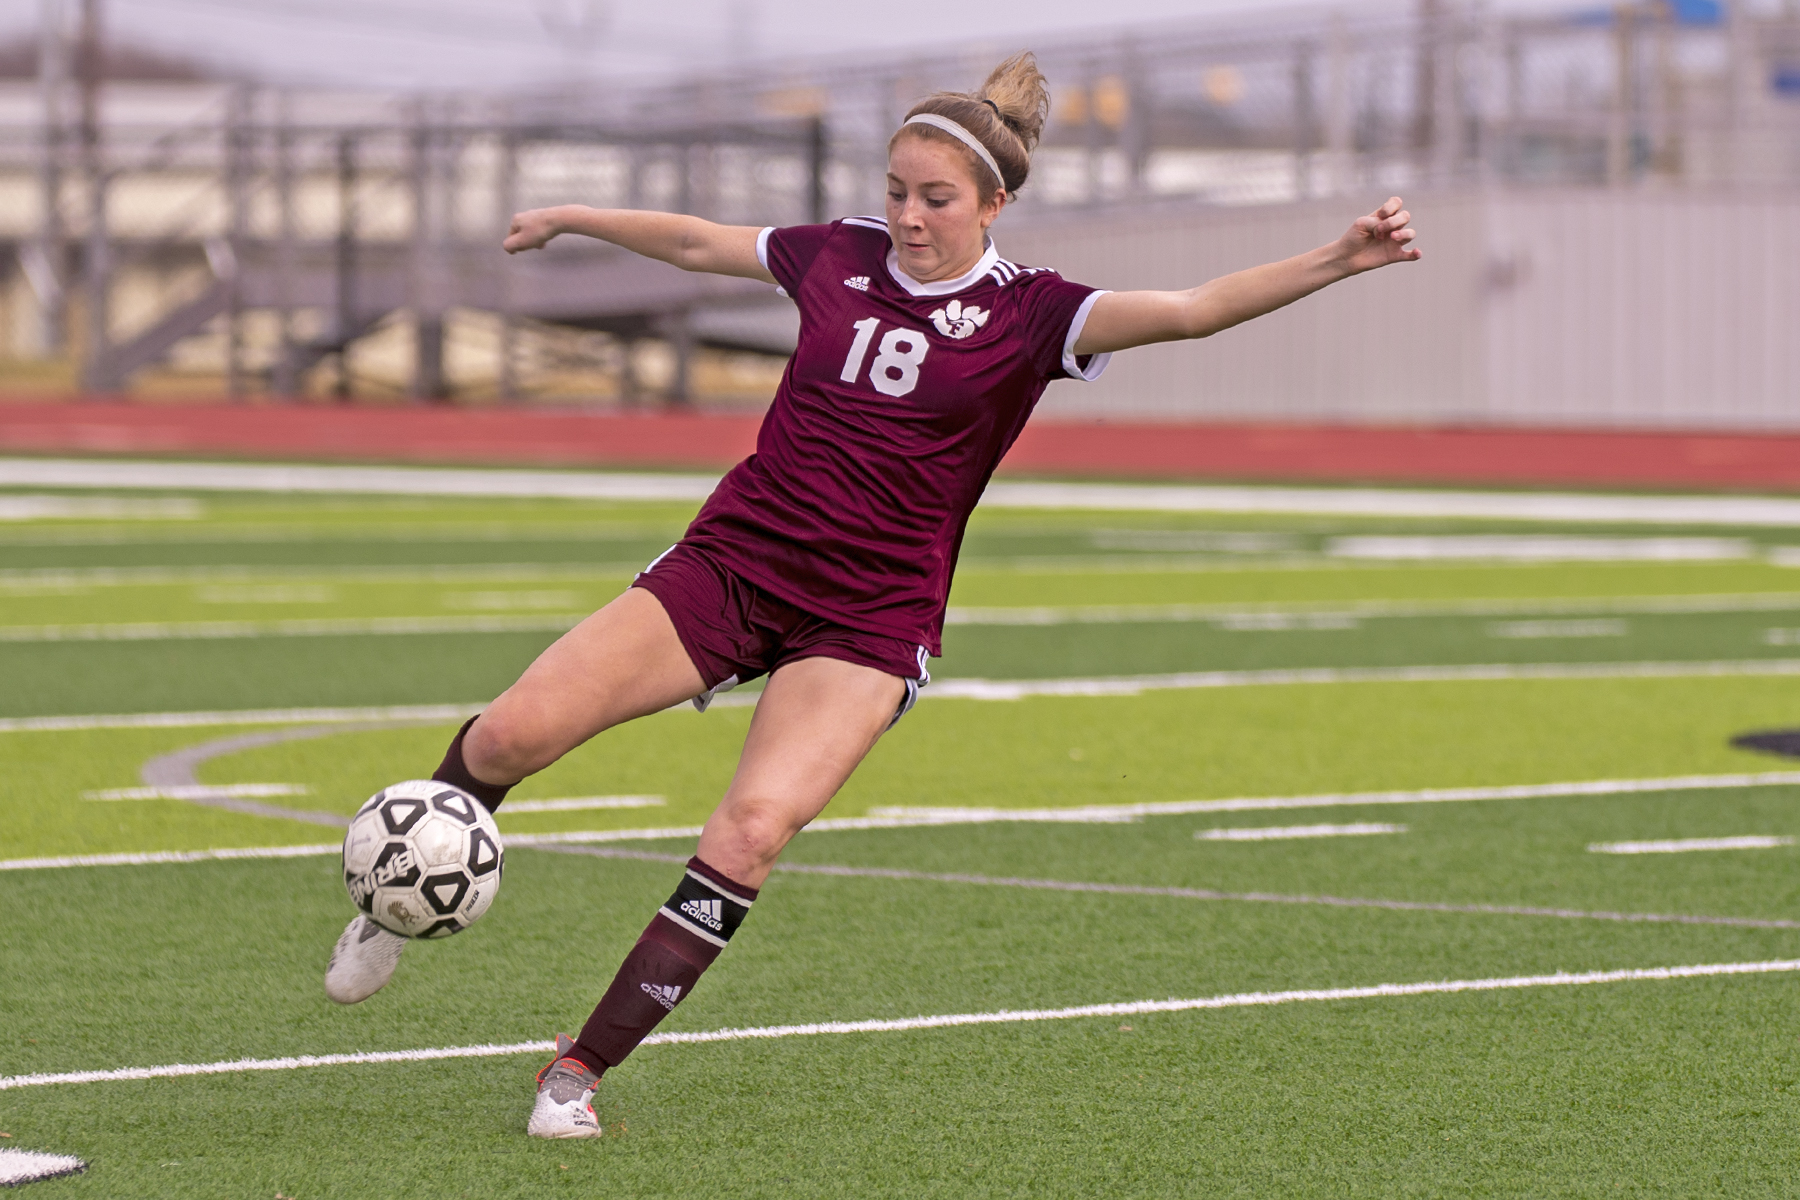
<point x="505" y="44"/>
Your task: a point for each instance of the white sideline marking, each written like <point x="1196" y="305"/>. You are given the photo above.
<point x="1539" y="548"/>
<point x="945" y="1021"/>
<point x="1268" y="833"/>
<point x="597" y="485"/>
<point x="575" y="803"/>
<point x="242" y="790"/>
<point x="1680" y="845"/>
<point x="982" y="689"/>
<point x="163" y="631"/>
<point x="30" y="1166"/>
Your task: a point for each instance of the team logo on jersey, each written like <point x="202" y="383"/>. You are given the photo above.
<point x="955" y="321"/>
<point x="859" y="282"/>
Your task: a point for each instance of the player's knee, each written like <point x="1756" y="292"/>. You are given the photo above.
<point x="501" y="749"/>
<point x="757" y="830"/>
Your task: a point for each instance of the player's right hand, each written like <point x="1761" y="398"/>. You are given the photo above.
<point x="531" y="230"/>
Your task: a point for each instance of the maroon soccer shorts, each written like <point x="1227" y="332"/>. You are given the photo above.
<point x="735" y="632"/>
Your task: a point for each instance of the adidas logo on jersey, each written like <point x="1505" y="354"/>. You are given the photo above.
<point x="955" y="321"/>
<point x="710" y="913"/>
<point x="859" y="282"/>
<point x="665" y="994"/>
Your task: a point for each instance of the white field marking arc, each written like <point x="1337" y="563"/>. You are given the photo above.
<point x="1123" y="614"/>
<point x="1180" y="893"/>
<point x="1380" y="991"/>
<point x="34" y="1166"/>
<point x="167" y="631"/>
<point x="1683" y="845"/>
<point x="579" y="803"/>
<point x="984" y="689"/>
<point x="1590" y="507"/>
<point x="1265" y="833"/>
<point x="199" y="790"/>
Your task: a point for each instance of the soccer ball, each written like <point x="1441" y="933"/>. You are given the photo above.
<point x="422" y="859"/>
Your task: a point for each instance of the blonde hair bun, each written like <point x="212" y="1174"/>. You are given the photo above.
<point x="1007" y="116"/>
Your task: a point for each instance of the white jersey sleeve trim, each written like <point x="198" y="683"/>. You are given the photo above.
<point x="762" y="255"/>
<point x="1096" y="362"/>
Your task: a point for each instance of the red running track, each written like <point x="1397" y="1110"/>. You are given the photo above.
<point x="1318" y="453"/>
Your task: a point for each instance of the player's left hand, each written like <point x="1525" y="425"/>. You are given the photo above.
<point x="1378" y="239"/>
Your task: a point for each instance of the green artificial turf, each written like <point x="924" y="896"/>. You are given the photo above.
<point x="1639" y="1089"/>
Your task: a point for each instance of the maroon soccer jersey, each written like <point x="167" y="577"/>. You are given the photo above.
<point x="892" y="414"/>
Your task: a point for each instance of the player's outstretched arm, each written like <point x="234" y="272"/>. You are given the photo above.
<point x="686" y="242"/>
<point x="1121" y="320"/>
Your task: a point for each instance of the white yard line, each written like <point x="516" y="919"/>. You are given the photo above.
<point x="31" y="1166"/>
<point x="1538" y="548"/>
<point x="1244" y="616"/>
<point x="925" y="817"/>
<point x="1397" y="502"/>
<point x="1380" y="991"/>
<point x="394" y="481"/>
<point x="309" y="627"/>
<point x="578" y="803"/>
<point x="249" y="716"/>
<point x="587" y="847"/>
<point x="41" y="578"/>
<point x="1113" y="813"/>
<point x="1265" y="833"/>
<point x="984" y="689"/>
<point x="1682" y="845"/>
<point x="154" y="857"/>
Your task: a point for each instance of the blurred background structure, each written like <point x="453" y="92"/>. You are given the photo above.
<point x="1608" y="197"/>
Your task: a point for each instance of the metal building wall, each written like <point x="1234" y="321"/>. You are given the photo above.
<point x="1540" y="308"/>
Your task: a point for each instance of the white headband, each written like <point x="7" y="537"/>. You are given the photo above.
<point x="962" y="135"/>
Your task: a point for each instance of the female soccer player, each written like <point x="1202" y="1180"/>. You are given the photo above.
<point x="824" y="559"/>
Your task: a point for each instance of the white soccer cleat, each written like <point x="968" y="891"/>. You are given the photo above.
<point x="362" y="961"/>
<point x="565" y="1095"/>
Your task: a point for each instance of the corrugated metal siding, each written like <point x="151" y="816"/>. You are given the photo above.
<point x="1597" y="309"/>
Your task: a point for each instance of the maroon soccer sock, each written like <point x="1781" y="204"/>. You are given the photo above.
<point x="455" y="772"/>
<point x="680" y="942"/>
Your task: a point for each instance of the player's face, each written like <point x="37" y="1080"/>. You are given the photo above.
<point x="936" y="216"/>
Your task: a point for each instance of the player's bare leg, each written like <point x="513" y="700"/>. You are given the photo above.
<point x="622" y="662"/>
<point x="815" y="722"/>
